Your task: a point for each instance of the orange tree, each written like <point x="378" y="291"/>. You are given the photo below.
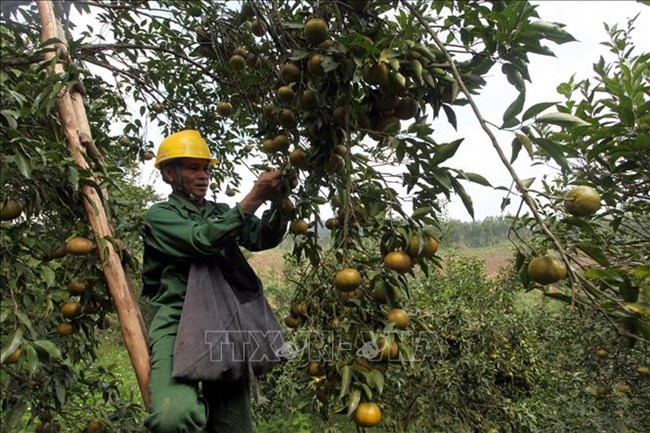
<point x="598" y="204"/>
<point x="342" y="91"/>
<point x="54" y="297"/>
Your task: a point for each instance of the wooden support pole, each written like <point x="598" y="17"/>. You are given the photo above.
<point x="132" y="326"/>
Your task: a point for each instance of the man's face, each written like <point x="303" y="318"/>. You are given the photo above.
<point x="195" y="174"/>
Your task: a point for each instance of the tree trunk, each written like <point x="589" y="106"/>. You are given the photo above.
<point x="75" y="125"/>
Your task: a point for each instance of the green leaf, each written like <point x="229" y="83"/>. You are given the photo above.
<point x="553" y="150"/>
<point x="346" y="378"/>
<point x="13" y="342"/>
<point x="451" y="116"/>
<point x="527" y="182"/>
<point x="594" y="252"/>
<point x="421" y="211"/>
<point x="445" y="151"/>
<point x="465" y="198"/>
<point x="515" y="108"/>
<point x="354" y="400"/>
<point x="375" y="379"/>
<point x="25" y="321"/>
<point x="50" y="348"/>
<point x="562" y="119"/>
<point x="476" y="178"/>
<point x="516" y="148"/>
<point x="24" y="165"/>
<point x="48" y="275"/>
<point x="534" y="110"/>
<point x="567" y="299"/>
<point x="59" y="390"/>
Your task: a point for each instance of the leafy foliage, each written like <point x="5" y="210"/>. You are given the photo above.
<point x="604" y="143"/>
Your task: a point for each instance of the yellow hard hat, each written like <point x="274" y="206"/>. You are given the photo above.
<point x="184" y="144"/>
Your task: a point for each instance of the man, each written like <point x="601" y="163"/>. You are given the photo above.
<point x="185" y="229"/>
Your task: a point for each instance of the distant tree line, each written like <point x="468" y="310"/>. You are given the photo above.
<point x="489" y="231"/>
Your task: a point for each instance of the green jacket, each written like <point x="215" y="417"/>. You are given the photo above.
<point x="176" y="233"/>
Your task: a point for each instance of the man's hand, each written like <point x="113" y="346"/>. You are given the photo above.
<point x="268" y="186"/>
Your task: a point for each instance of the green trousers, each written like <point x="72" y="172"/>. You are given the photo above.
<point x="184" y="407"/>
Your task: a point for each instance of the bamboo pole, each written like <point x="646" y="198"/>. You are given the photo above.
<point x="119" y="286"/>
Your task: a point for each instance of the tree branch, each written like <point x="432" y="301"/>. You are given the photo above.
<point x="520" y="186"/>
<point x="122" y="46"/>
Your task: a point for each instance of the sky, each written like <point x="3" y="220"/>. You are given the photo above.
<point x="584" y="20"/>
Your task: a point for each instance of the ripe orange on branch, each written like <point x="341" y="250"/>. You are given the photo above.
<point x="71" y="310"/>
<point x="368" y="414"/>
<point x="76" y="288"/>
<point x="347" y="279"/>
<point x="582" y="201"/>
<point x="546" y="270"/>
<point x="429" y="248"/>
<point x="298" y="227"/>
<point x="399" y="317"/>
<point x="398" y="261"/>
<point x="316" y="31"/>
<point x="10" y="210"/>
<point x="79" y="246"/>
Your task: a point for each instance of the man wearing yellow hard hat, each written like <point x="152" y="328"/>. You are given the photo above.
<point x="183" y="230"/>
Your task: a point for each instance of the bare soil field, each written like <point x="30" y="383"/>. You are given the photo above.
<point x="269" y="265"/>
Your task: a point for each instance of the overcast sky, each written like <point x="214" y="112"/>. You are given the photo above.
<point x="584" y="20"/>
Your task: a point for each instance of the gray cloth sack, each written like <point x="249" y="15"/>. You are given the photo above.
<point x="227" y="331"/>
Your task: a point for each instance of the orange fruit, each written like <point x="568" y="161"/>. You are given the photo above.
<point x="314" y="65"/>
<point x="601" y="353"/>
<point x="582" y="201"/>
<point x="79" y="246"/>
<point x="292" y="322"/>
<point x="298" y="309"/>
<point x="339" y="116"/>
<point x="10" y="210"/>
<point x="285" y="94"/>
<point x="287" y="119"/>
<point x="298" y="227"/>
<point x="428" y="250"/>
<point x="340" y="150"/>
<point x="65" y="328"/>
<point x="96" y="426"/>
<point x="224" y="109"/>
<point x="289" y="73"/>
<point x="347" y="279"/>
<point x="375" y="74"/>
<point x="398" y="261"/>
<point x="258" y="28"/>
<point x="313" y="369"/>
<point x="237" y="63"/>
<point x="71" y="309"/>
<point x="332" y="223"/>
<point x="334" y="164"/>
<point x="286" y="205"/>
<point x="399" y="317"/>
<point x="267" y="146"/>
<point x="308" y="100"/>
<point x="59" y="252"/>
<point x="546" y="270"/>
<point x="384" y="294"/>
<point x="281" y="142"/>
<point x="367" y="414"/>
<point x="406" y="108"/>
<point x="76" y="288"/>
<point x="316" y="31"/>
<point x="298" y="158"/>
